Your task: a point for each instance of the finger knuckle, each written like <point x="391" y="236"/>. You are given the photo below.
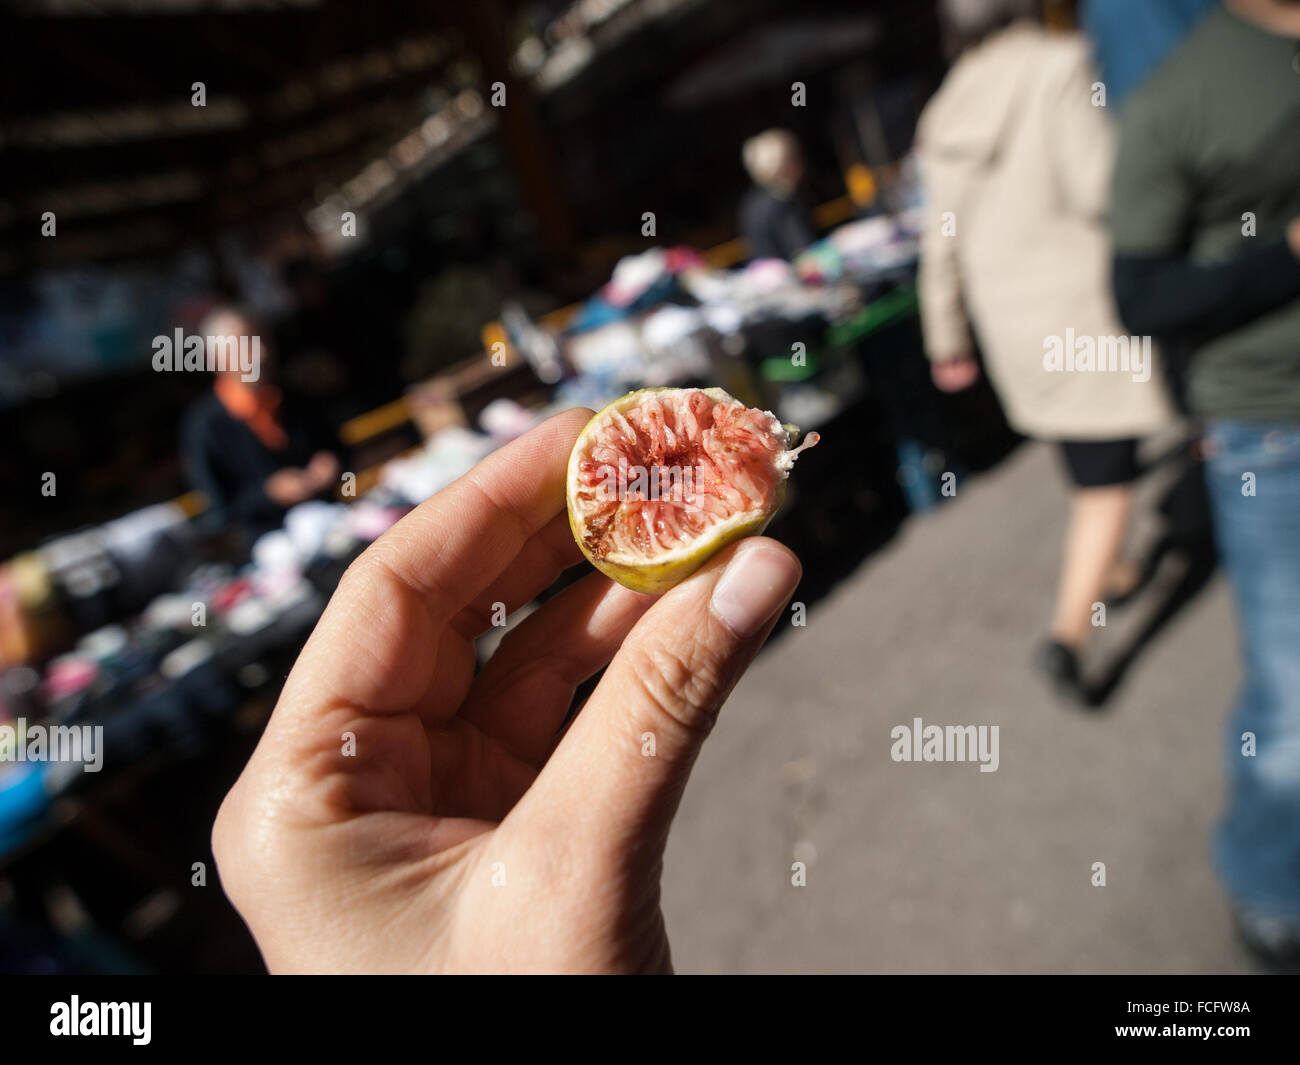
<point x="224" y="831"/>
<point x="364" y="570"/>
<point x="682" y="686"/>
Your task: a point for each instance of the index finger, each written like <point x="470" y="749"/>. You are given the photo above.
<point x="377" y="643"/>
<point x="456" y="544"/>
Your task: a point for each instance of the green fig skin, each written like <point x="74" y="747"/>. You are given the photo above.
<point x="656" y="578"/>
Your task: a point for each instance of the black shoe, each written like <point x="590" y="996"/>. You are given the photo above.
<point x="1274" y="943"/>
<point x="1061" y="666"/>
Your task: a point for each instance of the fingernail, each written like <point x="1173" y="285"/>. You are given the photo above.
<point x="755" y="585"/>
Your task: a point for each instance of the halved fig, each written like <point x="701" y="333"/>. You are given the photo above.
<point x="662" y="479"/>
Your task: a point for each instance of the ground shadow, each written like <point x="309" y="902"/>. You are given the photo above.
<point x="1188" y="540"/>
<point x="1199" y="566"/>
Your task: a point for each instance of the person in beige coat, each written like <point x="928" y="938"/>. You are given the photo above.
<point x="1015" y="153"/>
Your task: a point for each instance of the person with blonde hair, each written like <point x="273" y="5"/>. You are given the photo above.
<point x="772" y="220"/>
<point x="1015" y="158"/>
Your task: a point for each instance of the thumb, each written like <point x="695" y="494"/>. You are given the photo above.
<point x="617" y="776"/>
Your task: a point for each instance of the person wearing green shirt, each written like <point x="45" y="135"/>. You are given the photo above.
<point x="1206" y="226"/>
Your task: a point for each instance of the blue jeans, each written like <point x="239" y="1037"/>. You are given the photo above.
<point x="1257" y="844"/>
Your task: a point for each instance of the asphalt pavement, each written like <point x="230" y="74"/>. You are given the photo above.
<point x="936" y="866"/>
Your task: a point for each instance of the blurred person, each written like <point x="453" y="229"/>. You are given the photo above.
<point x="1206" y="224"/>
<point x="472" y="831"/>
<point x="773" y="221"/>
<point x="1015" y="162"/>
<point x="1130" y="39"/>
<point x="250" y="452"/>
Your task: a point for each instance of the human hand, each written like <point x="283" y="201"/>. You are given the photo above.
<point x="322" y="470"/>
<point x="954" y="375"/>
<point x="289" y="487"/>
<point x="1293" y="236"/>
<point x="461" y="835"/>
